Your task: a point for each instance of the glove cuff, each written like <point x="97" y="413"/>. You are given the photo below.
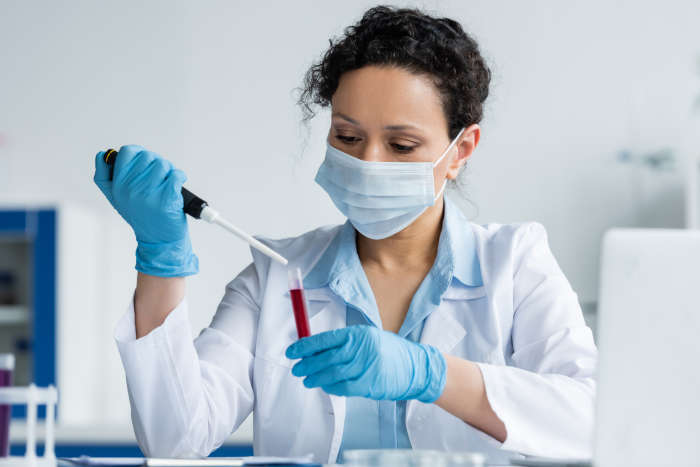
<point x="435" y="375"/>
<point x="172" y="259"/>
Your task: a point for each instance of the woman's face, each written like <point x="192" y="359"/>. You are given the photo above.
<point x="388" y="114"/>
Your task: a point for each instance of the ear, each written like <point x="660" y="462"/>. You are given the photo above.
<point x="465" y="147"/>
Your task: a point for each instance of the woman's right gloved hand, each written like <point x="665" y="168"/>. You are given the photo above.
<point x="145" y="191"/>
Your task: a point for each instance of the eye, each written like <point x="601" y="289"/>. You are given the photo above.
<point x="402" y="148"/>
<point x="347" y="139"/>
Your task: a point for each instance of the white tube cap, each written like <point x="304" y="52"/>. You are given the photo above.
<point x="7" y="361"/>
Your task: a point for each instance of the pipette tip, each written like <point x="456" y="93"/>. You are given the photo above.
<point x="212" y="216"/>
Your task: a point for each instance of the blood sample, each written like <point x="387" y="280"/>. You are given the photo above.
<point x="296" y="292"/>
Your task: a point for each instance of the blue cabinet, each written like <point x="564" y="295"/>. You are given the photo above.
<point x="28" y="309"/>
<point x="33" y="249"/>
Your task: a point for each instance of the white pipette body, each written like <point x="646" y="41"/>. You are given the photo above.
<point x="212" y="216"/>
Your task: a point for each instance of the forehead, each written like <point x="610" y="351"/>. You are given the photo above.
<point x="388" y="95"/>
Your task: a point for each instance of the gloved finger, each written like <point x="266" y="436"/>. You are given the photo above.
<point x="160" y="168"/>
<point x="174" y="181"/>
<point x="140" y="175"/>
<point x="164" y="168"/>
<point x="154" y="174"/>
<point x="322" y="360"/>
<point x="125" y="158"/>
<point x="332" y="375"/>
<point x="171" y="189"/>
<point x="308" y="346"/>
<point x="346" y="388"/>
<point x="136" y="175"/>
<point x="101" y="168"/>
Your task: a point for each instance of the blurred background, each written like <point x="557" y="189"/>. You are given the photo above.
<point x="593" y="121"/>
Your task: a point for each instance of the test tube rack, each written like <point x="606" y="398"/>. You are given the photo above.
<point x="33" y="396"/>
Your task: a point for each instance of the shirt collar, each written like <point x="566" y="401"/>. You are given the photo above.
<point x="456" y="257"/>
<point x="458" y="236"/>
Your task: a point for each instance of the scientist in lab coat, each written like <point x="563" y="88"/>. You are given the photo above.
<point x="429" y="331"/>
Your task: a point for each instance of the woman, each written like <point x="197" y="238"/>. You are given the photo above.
<point x="429" y="331"/>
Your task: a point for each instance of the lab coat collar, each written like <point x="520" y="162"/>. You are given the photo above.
<point x="456" y="258"/>
<point x="339" y="256"/>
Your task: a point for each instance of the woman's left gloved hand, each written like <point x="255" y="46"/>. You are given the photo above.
<point x="369" y="362"/>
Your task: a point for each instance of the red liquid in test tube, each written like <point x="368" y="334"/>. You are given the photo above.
<point x="296" y="292"/>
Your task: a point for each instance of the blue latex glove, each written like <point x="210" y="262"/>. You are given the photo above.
<point x="369" y="362"/>
<point x="145" y="191"/>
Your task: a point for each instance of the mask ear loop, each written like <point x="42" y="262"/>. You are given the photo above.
<point x="444" y="185"/>
<point x="448" y="148"/>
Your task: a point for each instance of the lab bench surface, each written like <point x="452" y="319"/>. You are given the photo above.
<point x="119" y="441"/>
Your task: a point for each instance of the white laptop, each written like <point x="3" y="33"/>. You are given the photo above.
<point x="648" y="400"/>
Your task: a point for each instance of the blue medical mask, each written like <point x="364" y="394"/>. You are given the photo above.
<point x="379" y="198"/>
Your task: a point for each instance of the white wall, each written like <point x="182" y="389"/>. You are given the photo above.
<point x="209" y="85"/>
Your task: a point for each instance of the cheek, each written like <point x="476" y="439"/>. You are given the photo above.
<point x="439" y="177"/>
<point x="441" y="173"/>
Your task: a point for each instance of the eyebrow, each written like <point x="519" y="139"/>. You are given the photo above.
<point x="388" y="127"/>
<point x="401" y="127"/>
<point x="345" y="117"/>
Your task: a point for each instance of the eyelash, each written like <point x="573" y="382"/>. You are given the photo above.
<point x="398" y="147"/>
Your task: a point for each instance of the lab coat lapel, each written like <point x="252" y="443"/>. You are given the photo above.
<point x="442" y="330"/>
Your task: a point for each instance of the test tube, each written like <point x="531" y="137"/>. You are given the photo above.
<point x="7" y="366"/>
<point x="296" y="292"/>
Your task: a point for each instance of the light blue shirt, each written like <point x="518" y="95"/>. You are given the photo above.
<point x="371" y="424"/>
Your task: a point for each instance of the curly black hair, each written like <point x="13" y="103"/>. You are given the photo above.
<point x="410" y="39"/>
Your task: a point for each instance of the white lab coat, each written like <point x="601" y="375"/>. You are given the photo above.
<point x="524" y="328"/>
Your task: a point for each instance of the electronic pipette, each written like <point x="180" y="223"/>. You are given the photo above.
<point x="200" y="209"/>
